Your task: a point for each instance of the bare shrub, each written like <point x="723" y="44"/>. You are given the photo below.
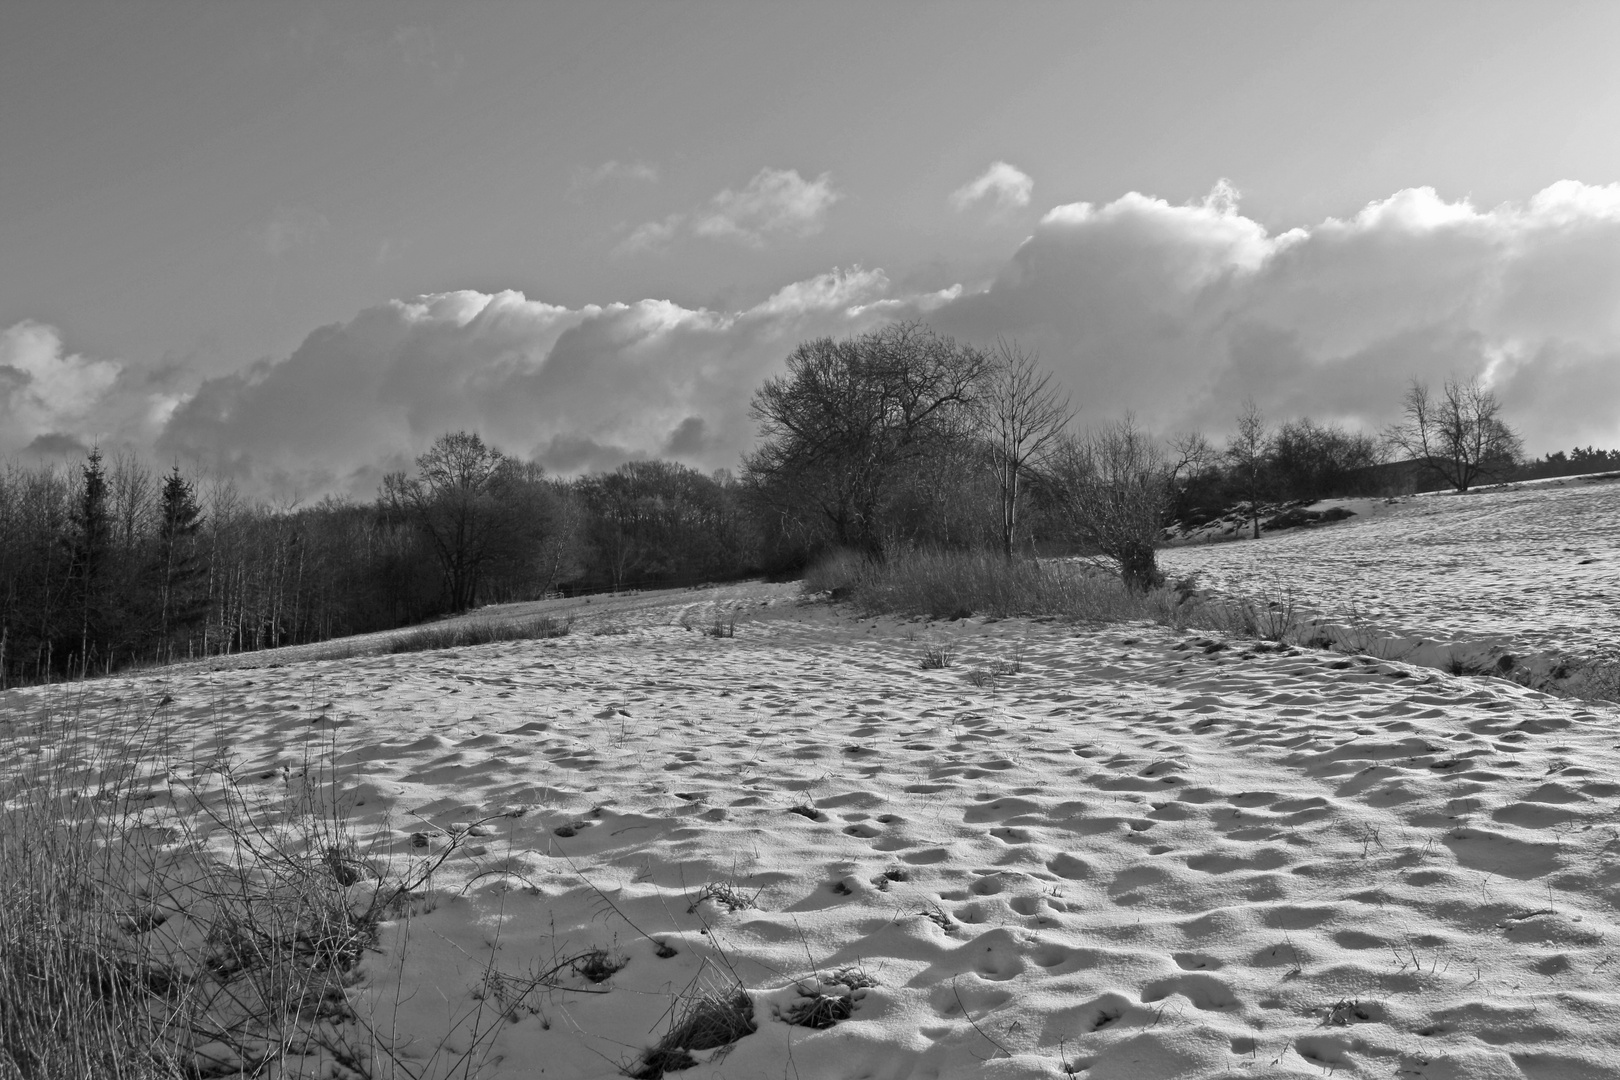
<point x="1113" y="489"/>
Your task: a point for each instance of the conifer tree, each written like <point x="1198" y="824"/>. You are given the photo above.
<point x="179" y="564"/>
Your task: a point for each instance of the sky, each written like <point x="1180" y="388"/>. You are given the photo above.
<point x="292" y="243"/>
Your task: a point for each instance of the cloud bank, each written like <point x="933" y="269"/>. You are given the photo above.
<point x="1180" y="312"/>
<point x="576" y="389"/>
<point x="1176" y="312"/>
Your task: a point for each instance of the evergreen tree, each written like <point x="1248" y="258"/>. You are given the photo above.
<point x="179" y="564"/>
<point x="91" y="538"/>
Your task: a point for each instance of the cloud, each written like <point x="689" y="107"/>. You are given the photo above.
<point x="56" y="445"/>
<point x="650" y="235"/>
<point x="1176" y="312"/>
<point x="776" y="202"/>
<point x="48" y="393"/>
<point x="1179" y="313"/>
<point x="1006" y="185"/>
<point x="575" y="388"/>
<point x="290" y="228"/>
<point x="611" y="172"/>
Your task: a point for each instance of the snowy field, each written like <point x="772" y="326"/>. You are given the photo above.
<point x="1139" y="855"/>
<point x="1534" y="570"/>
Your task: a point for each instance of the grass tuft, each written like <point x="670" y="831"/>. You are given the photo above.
<point x="707" y="1021"/>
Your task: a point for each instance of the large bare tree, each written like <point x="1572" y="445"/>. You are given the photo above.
<point x="1459" y="437"/>
<point x="1023" y="415"/>
<point x="459" y="500"/>
<point x="851" y="421"/>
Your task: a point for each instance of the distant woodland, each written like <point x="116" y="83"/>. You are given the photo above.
<point x="896" y="440"/>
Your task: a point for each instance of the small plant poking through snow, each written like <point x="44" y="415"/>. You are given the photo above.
<point x="938" y="916"/>
<point x="598" y="965"/>
<point x="724" y="894"/>
<point x="826" y="999"/>
<point x="1345" y="1012"/>
<point x="707" y="1021"/>
<point x="937" y="656"/>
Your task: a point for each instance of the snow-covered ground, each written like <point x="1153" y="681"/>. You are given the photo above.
<point x="1142" y="855"/>
<point x="1530" y="570"/>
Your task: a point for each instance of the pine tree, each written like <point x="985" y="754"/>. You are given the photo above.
<point x="179" y="565"/>
<point x="92" y="536"/>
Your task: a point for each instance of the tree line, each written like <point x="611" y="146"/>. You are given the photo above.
<point x="109" y="564"/>
<point x="899" y="439"/>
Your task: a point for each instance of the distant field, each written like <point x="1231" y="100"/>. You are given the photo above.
<point x="1536" y="569"/>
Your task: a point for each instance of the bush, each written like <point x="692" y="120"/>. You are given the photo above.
<point x="1115" y="489"/>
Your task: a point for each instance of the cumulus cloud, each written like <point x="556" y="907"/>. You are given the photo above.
<point x="1176" y="312"/>
<point x="47" y="393"/>
<point x="578" y="389"/>
<point x="1181" y="312"/>
<point x="776" y="202"/>
<point x="1006" y="186"/>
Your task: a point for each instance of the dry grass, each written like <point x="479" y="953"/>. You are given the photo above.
<point x="166" y="916"/>
<point x="950" y="585"/>
<point x="1595" y="680"/>
<point x="702" y="1019"/>
<point x="456" y="635"/>
<point x="73" y="995"/>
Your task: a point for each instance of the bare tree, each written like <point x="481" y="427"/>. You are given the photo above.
<point x="1310" y="460"/>
<point x="1247" y="452"/>
<point x="1460" y="438"/>
<point x="851" y="420"/>
<point x="1191" y="453"/>
<point x="1024" y="415"/>
<point x="458" y="502"/>
<point x="1113" y="488"/>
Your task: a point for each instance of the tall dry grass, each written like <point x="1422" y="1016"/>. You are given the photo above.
<point x="456" y="635"/>
<point x="954" y="584"/>
<point x="74" y="994"/>
<point x="164" y="915"/>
